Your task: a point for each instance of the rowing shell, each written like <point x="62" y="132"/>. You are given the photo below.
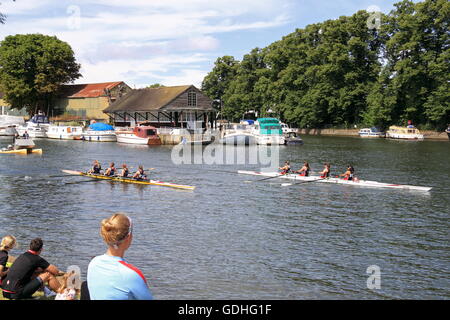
<point x="131" y="180"/>
<point x="359" y="183"/>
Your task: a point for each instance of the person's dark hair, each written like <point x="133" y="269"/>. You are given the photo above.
<point x="36" y="244"/>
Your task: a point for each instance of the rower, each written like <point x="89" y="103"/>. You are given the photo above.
<point x="286" y="168"/>
<point x="125" y="171"/>
<point x="325" y="173"/>
<point x="304" y="171"/>
<point x="96" y="168"/>
<point x="25" y="135"/>
<point x="111" y="171"/>
<point x="140" y="174"/>
<point x="348" y="175"/>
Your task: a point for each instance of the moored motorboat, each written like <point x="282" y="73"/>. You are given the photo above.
<point x="292" y="138"/>
<point x="64" y="132"/>
<point x="372" y="132"/>
<point x="268" y="131"/>
<point x="141" y="134"/>
<point x="131" y="180"/>
<point x="99" y="132"/>
<point x="36" y="127"/>
<point x="237" y="134"/>
<point x="359" y="183"/>
<point x="404" y="133"/>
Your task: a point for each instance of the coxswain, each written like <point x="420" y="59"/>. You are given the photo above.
<point x="286" y="168"/>
<point x="304" y="171"/>
<point x="325" y="173"/>
<point x="125" y="171"/>
<point x="140" y="174"/>
<point x="111" y="171"/>
<point x="96" y="168"/>
<point x="348" y="175"/>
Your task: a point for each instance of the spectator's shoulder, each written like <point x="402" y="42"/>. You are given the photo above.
<point x="132" y="272"/>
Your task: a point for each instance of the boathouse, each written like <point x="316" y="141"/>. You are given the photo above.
<point x="172" y="107"/>
<point x="87" y="101"/>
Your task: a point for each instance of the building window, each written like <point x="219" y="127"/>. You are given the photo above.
<point x="192" y="99"/>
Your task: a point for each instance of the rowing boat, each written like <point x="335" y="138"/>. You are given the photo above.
<point x="22" y="151"/>
<point x="359" y="183"/>
<point x="130" y="180"/>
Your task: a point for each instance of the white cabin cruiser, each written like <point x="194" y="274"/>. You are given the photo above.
<point x="36" y="127"/>
<point x="238" y="134"/>
<point x="64" y="132"/>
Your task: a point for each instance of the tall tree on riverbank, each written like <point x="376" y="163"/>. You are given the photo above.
<point x="343" y="72"/>
<point x="218" y="80"/>
<point x="414" y="84"/>
<point x="32" y="69"/>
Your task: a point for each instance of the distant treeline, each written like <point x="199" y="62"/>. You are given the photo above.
<point x="369" y="69"/>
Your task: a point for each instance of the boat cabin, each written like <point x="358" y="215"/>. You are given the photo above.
<point x="144" y="130"/>
<point x="40" y="119"/>
<point x="268" y="126"/>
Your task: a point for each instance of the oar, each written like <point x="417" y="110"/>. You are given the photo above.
<point x="263" y="179"/>
<point x="290" y="184"/>
<point x="92" y="180"/>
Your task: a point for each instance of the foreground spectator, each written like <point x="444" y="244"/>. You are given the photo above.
<point x="109" y="276"/>
<point x="8" y="243"/>
<point x="29" y="273"/>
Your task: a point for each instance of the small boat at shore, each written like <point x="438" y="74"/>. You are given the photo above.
<point x="448" y="132"/>
<point x="292" y="138"/>
<point x="130" y="180"/>
<point x="371" y="133"/>
<point x="358" y="183"/>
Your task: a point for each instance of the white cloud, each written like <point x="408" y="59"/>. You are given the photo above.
<point x="136" y="39"/>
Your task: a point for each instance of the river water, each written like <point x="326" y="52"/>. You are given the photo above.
<point x="235" y="239"/>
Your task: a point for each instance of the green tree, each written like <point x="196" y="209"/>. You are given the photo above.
<point x="217" y="81"/>
<point x="414" y="82"/>
<point x="156" y="85"/>
<point x="32" y="69"/>
<point x="240" y="95"/>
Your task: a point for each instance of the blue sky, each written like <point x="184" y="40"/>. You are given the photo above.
<point x="173" y="42"/>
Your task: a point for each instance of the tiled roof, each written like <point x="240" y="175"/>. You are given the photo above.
<point x="148" y="99"/>
<point x="89" y="90"/>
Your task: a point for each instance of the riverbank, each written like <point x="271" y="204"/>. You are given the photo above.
<point x="428" y="134"/>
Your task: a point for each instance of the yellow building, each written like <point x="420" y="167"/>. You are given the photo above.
<point x="87" y="101"/>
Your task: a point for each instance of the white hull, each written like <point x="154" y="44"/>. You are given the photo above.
<point x="62" y="136"/>
<point x="371" y="135"/>
<point x="404" y="136"/>
<point x="238" y="139"/>
<point x="64" y="132"/>
<point x="33" y="132"/>
<point x="264" y="139"/>
<point x="99" y="136"/>
<point x="131" y="138"/>
<point x="359" y="183"/>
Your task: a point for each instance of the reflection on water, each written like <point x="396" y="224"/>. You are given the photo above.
<point x="234" y="240"/>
